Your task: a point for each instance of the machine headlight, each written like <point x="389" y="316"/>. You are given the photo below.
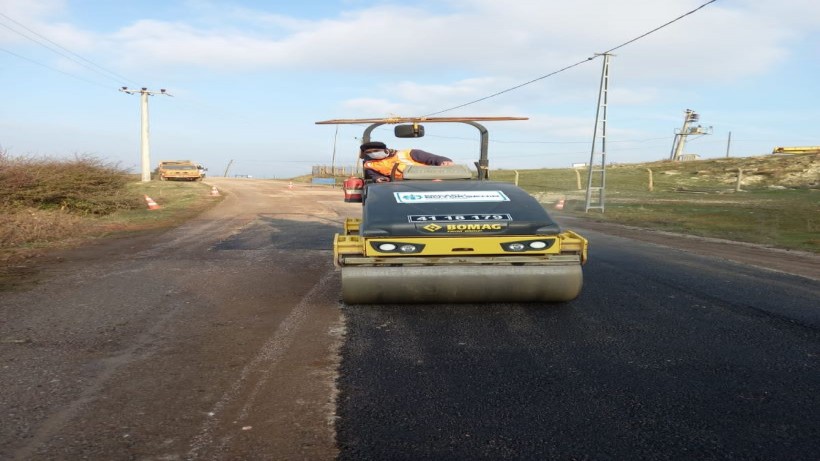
<point x="397" y="247"/>
<point x="528" y="245"/>
<point x="408" y="248"/>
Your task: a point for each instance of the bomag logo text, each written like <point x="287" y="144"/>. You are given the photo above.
<point x="473" y="227"/>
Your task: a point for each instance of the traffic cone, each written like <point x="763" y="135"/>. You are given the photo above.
<point x="560" y="205"/>
<point x="152" y="205"/>
<point x="214" y="192"/>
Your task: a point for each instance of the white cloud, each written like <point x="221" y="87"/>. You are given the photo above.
<point x="412" y="58"/>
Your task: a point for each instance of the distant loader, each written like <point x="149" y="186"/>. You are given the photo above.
<point x="797" y="150"/>
<point x="179" y="170"/>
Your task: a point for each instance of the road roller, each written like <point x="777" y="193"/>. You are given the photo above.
<point x="448" y="234"/>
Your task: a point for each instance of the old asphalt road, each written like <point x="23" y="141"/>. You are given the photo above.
<point x="216" y="340"/>
<point x="224" y="339"/>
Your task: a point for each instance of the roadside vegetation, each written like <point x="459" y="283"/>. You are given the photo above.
<point x="776" y="202"/>
<point x="48" y="203"/>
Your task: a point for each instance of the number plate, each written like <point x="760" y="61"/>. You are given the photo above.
<point x="415" y="218"/>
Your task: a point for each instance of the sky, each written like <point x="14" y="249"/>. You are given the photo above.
<point x="249" y="79"/>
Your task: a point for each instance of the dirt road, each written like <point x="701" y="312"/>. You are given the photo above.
<point x="217" y="340"/>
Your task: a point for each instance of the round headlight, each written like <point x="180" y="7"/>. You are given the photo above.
<point x="537" y="245"/>
<point x="387" y="247"/>
<point x="516" y="246"/>
<point x="407" y="248"/>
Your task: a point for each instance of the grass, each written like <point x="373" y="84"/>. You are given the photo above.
<point x="778" y="204"/>
<point x="785" y="219"/>
<point x="47" y="203"/>
<point x="178" y="202"/>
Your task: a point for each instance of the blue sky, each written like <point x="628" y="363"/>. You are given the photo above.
<point x="251" y="78"/>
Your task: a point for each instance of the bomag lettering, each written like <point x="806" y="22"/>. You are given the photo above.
<point x="473" y="227"/>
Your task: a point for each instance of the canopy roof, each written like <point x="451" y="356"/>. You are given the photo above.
<point x="356" y="121"/>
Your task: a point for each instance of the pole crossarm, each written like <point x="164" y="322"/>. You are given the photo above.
<point x="162" y="91"/>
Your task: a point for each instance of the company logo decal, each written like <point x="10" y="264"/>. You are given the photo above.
<point x="464" y="228"/>
<point x="451" y="196"/>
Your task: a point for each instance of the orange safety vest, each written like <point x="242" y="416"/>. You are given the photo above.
<point x="385" y="166"/>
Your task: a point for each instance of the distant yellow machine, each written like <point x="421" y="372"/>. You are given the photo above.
<point x="179" y="170"/>
<point x="797" y="150"/>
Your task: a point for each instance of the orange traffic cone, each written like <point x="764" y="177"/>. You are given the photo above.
<point x="560" y="205"/>
<point x="214" y="192"/>
<point x="152" y="205"/>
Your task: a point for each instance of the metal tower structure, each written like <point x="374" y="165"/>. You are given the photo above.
<point x="690" y="116"/>
<point x="596" y="176"/>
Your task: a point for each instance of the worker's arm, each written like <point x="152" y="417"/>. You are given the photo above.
<point x="429" y="159"/>
<point x="375" y="176"/>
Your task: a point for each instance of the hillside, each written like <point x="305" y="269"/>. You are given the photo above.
<point x="777" y="202"/>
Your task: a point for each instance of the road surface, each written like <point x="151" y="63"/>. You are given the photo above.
<point x="225" y="339"/>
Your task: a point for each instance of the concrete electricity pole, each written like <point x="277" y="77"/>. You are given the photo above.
<point x="144" y="144"/>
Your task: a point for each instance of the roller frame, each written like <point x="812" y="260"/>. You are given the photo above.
<point x="476" y="278"/>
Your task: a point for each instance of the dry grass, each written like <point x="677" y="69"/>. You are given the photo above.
<point x="44" y="200"/>
<point x="47" y="203"/>
<point x="83" y="185"/>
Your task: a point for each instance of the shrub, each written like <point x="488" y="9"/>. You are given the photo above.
<point x="83" y="185"/>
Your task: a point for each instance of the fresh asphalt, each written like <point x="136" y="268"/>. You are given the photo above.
<point x="665" y="355"/>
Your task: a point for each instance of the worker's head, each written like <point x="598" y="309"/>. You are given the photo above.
<point x="374" y="150"/>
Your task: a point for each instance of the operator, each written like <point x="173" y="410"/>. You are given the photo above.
<point x="379" y="161"/>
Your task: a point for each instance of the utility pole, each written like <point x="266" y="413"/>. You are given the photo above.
<point x="228" y="168"/>
<point x="333" y="157"/>
<point x="728" y="144"/>
<point x="596" y="177"/>
<point x="144" y="142"/>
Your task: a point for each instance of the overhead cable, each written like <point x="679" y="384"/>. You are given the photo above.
<point x="55" y="70"/>
<point x="574" y="65"/>
<point x="88" y="64"/>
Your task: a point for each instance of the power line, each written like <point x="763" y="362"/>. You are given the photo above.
<point x="88" y="64"/>
<point x="660" y="27"/>
<point x="573" y="65"/>
<point x="56" y="70"/>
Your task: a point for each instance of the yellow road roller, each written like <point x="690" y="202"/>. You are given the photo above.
<point x="447" y="234"/>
